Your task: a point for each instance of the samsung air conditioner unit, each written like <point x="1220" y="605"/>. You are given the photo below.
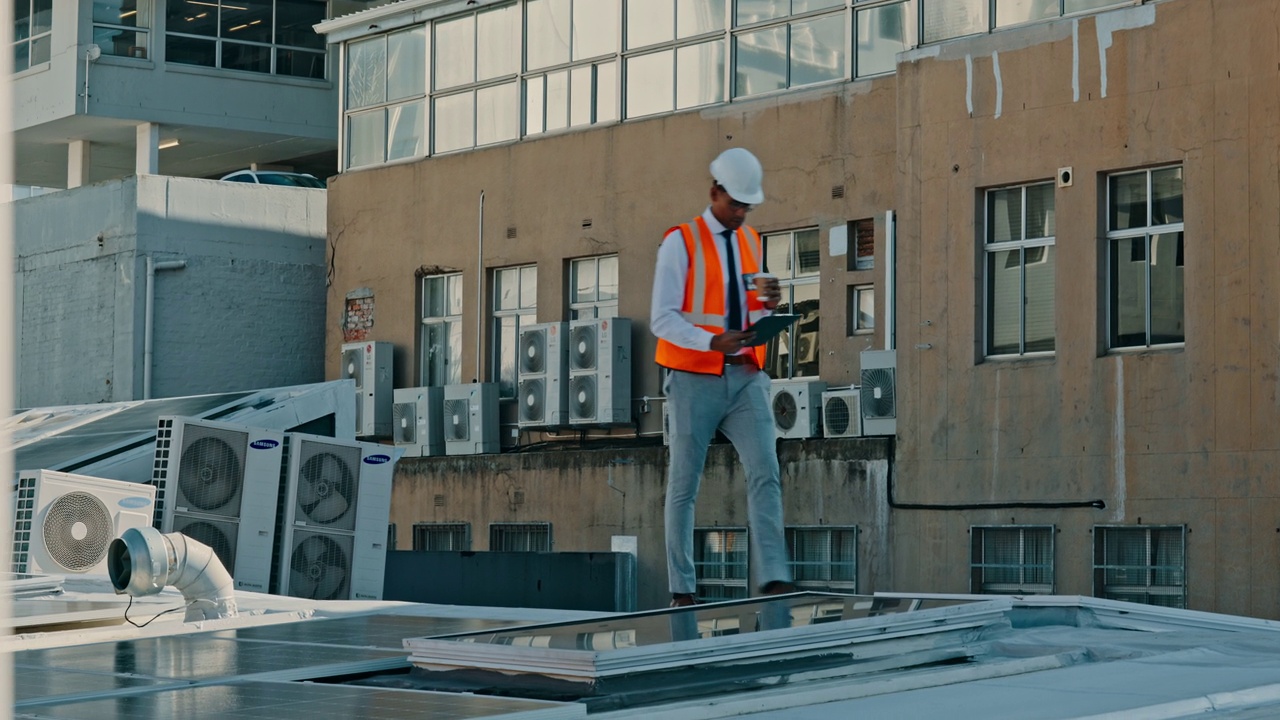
<point x="600" y="371"/>
<point x="64" y="523"/>
<point x="470" y="419"/>
<point x="841" y="413"/>
<point x="337" y="505"/>
<point x="543" y="366"/>
<point x="416" y="421"/>
<point x="219" y="483"/>
<point x="370" y="365"/>
<point x="879" y="392"/>
<point x="796" y="406"/>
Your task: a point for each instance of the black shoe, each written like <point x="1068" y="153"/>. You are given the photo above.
<point x="777" y="587"/>
<point x="683" y="600"/>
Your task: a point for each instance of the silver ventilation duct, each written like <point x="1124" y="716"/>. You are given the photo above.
<point x="142" y="561"/>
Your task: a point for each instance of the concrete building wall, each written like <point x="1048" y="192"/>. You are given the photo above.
<point x="1082" y="438"/>
<point x="245" y="312"/>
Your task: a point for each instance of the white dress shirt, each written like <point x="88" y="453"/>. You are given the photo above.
<point x="665" y="317"/>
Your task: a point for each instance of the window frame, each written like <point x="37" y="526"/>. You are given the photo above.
<point x="528" y="534"/>
<point x="458" y="533"/>
<point x="36" y="43"/>
<point x="789" y="280"/>
<point x="452" y="323"/>
<point x="142" y="14"/>
<point x="855" y="324"/>
<point x="387" y="106"/>
<point x="1147" y="589"/>
<point x="1150" y="232"/>
<point x="599" y="308"/>
<point x="1023" y="246"/>
<point x="274" y="47"/>
<point x="524" y="316"/>
<point x="828" y="567"/>
<point x="731" y="581"/>
<point x="981" y="566"/>
<point x="479" y="85"/>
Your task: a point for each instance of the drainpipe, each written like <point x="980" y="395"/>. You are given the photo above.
<point x="890" y="288"/>
<point x="480" y="289"/>
<point x="149" y="312"/>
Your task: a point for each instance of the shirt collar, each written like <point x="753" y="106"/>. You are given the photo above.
<point x="714" y="225"/>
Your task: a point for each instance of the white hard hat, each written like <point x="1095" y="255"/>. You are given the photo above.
<point x="739" y="173"/>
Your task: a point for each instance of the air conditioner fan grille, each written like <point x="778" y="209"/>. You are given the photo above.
<point x="77" y="531"/>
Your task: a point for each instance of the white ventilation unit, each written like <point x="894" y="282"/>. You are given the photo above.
<point x="416" y="421"/>
<point x="879" y="392"/>
<point x="470" y="419"/>
<point x="841" y="413"/>
<point x="543" y="364"/>
<point x="369" y="364"/>
<point x="337" y="505"/>
<point x="600" y="371"/>
<point x="65" y="523"/>
<point x="796" y="406"/>
<point x="219" y="484"/>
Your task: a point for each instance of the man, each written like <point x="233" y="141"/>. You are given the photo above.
<point x="700" y="313"/>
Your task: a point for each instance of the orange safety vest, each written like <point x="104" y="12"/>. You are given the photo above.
<point x="705" y="297"/>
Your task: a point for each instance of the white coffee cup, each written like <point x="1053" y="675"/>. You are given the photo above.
<point x="761" y="280"/>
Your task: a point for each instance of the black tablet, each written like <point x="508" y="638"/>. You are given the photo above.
<point x="769" y="327"/>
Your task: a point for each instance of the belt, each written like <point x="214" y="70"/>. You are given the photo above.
<point x="739" y="360"/>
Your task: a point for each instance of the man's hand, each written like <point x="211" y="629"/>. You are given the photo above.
<point x="731" y="341"/>
<point x="769" y="292"/>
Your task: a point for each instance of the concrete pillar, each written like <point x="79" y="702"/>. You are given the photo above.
<point x="147" y="159"/>
<point x="77" y="163"/>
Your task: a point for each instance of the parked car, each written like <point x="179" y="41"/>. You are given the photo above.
<point x="275" y="177"/>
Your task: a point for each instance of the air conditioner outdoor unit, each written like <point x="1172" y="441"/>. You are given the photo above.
<point x="543" y="364"/>
<point x="416" y="424"/>
<point x="796" y="406"/>
<point x="879" y="392"/>
<point x="470" y="419"/>
<point x="841" y="413"/>
<point x="806" y="350"/>
<point x="64" y="523"/>
<point x="600" y="371"/>
<point x="219" y="483"/>
<point x="333" y="538"/>
<point x="369" y="364"/>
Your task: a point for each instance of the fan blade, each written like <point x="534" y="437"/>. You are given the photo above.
<point x="329" y="509"/>
<point x="330" y="582"/>
<point x="307" y="493"/>
<point x="301" y="584"/>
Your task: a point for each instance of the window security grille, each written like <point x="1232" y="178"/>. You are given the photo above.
<point x="824" y="558"/>
<point x="720" y="557"/>
<point x="1012" y="560"/>
<point x="520" y="537"/>
<point x="1143" y="564"/>
<point x="442" y="536"/>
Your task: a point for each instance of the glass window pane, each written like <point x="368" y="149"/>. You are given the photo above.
<point x="191" y="19"/>
<point x="407" y="63"/>
<point x="808" y="253"/>
<point x="864" y="244"/>
<point x="529" y="287"/>
<point x="1039" y="306"/>
<point x="649" y="83"/>
<point x="406" y="130"/>
<point x="366" y="72"/>
<point x="805" y="351"/>
<point x="580" y="100"/>
<point x="883" y="32"/>
<point x="804" y="6"/>
<point x="499" y="42"/>
<point x="455" y="52"/>
<point x="606" y="92"/>
<point x="1128" y="201"/>
<point x="498" y="113"/>
<point x="121" y="43"/>
<point x="533" y="105"/>
<point x="130" y="13"/>
<point x="817" y="50"/>
<point x="454" y="122"/>
<point x="433" y="296"/>
<point x="505" y="352"/>
<point x="506" y="287"/>
<point x="649" y="22"/>
<point x="366" y="137"/>
<point x="1004" y="302"/>
<point x="1166" y="196"/>
<point x="944" y="19"/>
<point x="866" y="309"/>
<point x="609" y="278"/>
<point x="252" y="58"/>
<point x="548" y="33"/>
<point x="557" y="100"/>
<point x="1004" y="215"/>
<point x="1166" y="289"/>
<point x="295" y="23"/>
<point x="247" y="20"/>
<point x="777" y="255"/>
<point x="1041" y="222"/>
<point x="750" y="11"/>
<point x="190" y="51"/>
<point x="700" y="74"/>
<point x="762" y="61"/>
<point x="1015" y="12"/>
<point x="694" y="17"/>
<point x="1127" y="296"/>
<point x="1072" y="6"/>
<point x="434" y="357"/>
<point x="595" y="28"/>
<point x="453" y="370"/>
<point x="296" y="63"/>
<point x="584" y="280"/>
<point x="454" y="292"/>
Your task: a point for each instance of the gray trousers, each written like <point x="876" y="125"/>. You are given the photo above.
<point x="737" y="404"/>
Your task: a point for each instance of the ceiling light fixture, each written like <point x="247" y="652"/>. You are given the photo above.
<point x="166" y="144"/>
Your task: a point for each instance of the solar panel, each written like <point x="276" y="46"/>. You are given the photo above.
<point x="31" y="683"/>
<point x="373" y="631"/>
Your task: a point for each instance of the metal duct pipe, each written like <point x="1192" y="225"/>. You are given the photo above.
<point x="143" y="561"/>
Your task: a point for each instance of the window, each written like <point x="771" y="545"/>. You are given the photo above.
<point x="772" y="55"/>
<point x="476" y="90"/>
<point x="883" y="31"/>
<point x="862" y="310"/>
<point x="1145" y="259"/>
<point x="520" y="537"/>
<point x="720" y="563"/>
<point x="863" y="256"/>
<point x="560" y="32"/>
<point x="1141" y="563"/>
<point x="32" y="33"/>
<point x="263" y="36"/>
<point x="442" y="536"/>
<point x="1011" y="560"/>
<point x="120" y="27"/>
<point x="441" y="340"/>
<point x="593" y="289"/>
<point x="1019" y="270"/>
<point x="824" y="558"/>
<point x="515" y="305"/>
<point x="946" y="19"/>
<point x="386" y="85"/>
<point x="794" y="256"/>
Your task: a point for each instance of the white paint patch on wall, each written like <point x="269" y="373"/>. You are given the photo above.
<point x="1075" y="61"/>
<point x="995" y="70"/>
<point x="1118" y="433"/>
<point x="1108" y="23"/>
<point x="968" y="82"/>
